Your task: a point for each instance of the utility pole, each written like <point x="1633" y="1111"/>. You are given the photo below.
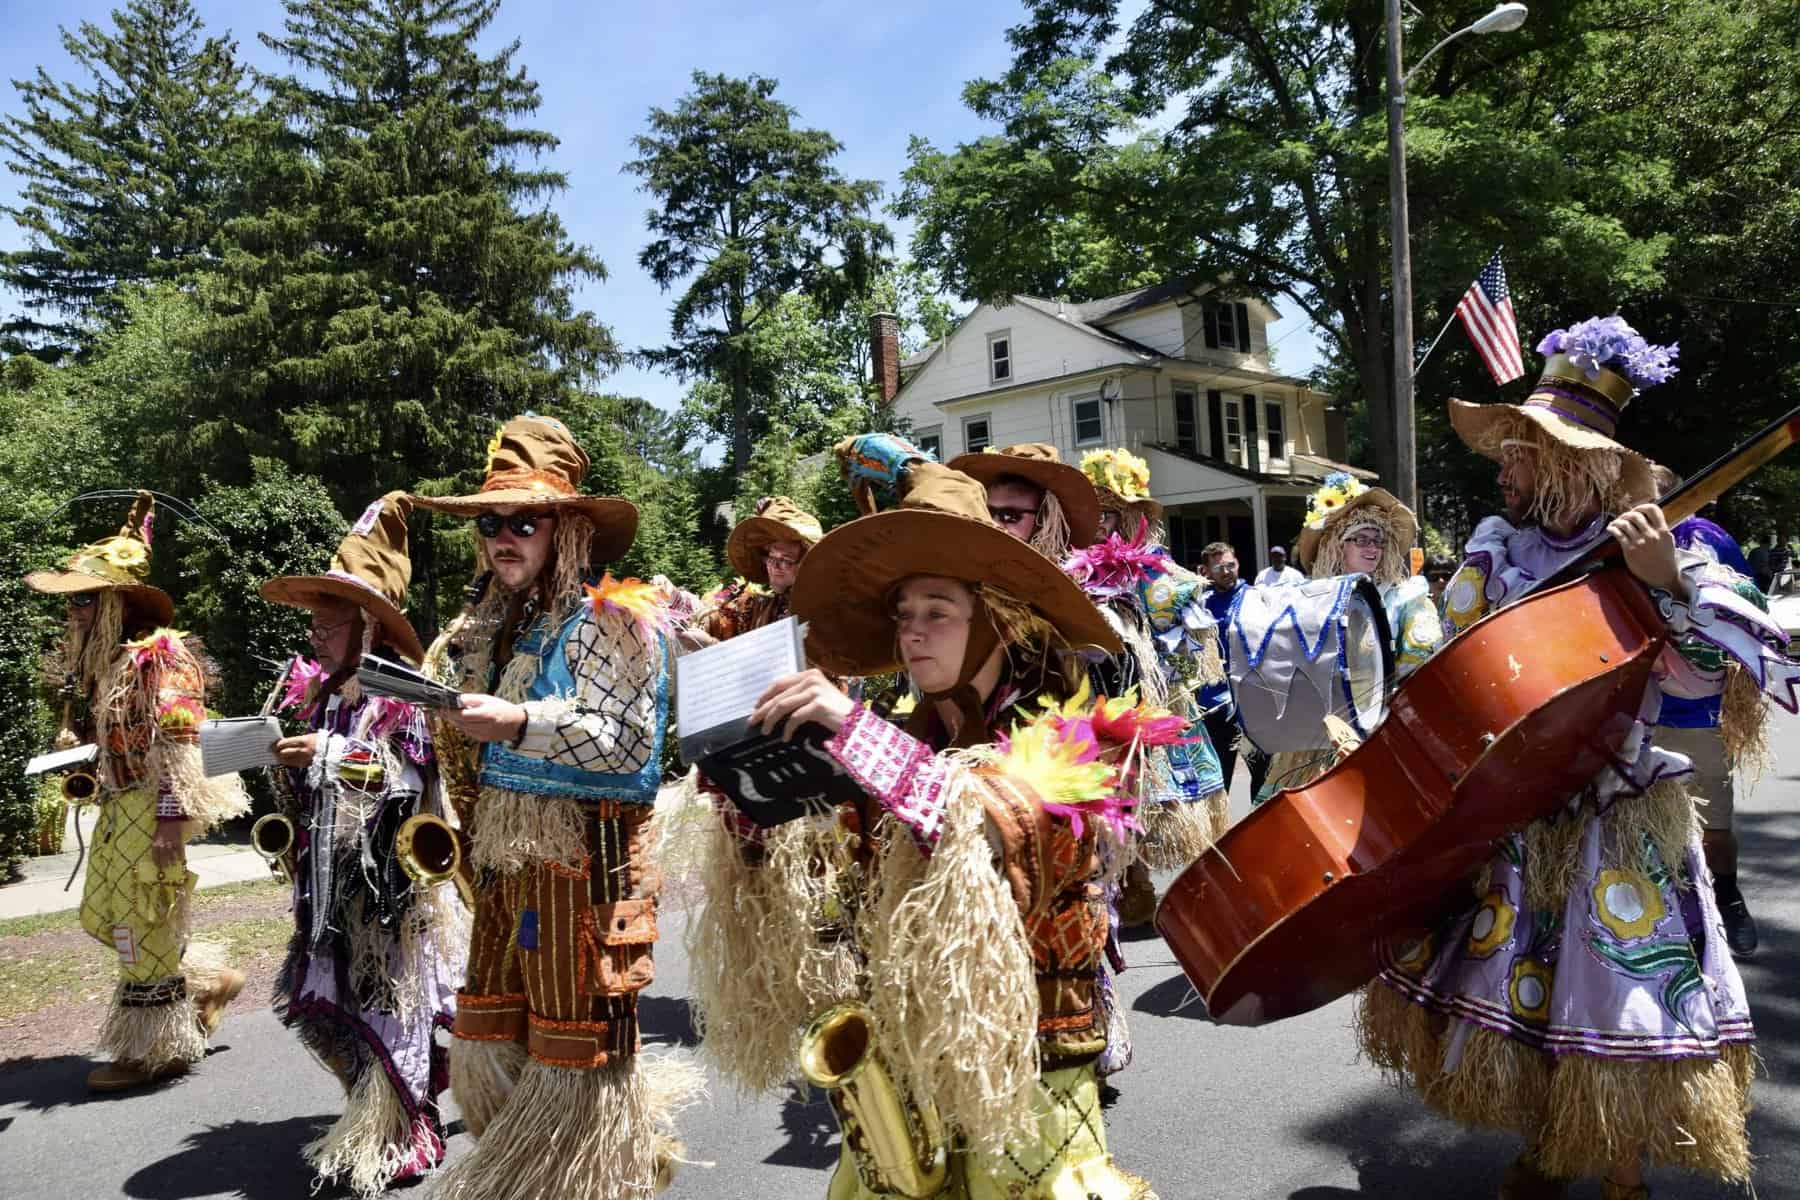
<point x="1405" y="483"/>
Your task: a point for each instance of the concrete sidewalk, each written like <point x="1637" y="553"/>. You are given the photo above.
<point x="41" y="889"/>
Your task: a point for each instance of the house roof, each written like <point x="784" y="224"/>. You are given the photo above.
<point x="1110" y="307"/>
<point x="1070" y="315"/>
<point x="1307" y="469"/>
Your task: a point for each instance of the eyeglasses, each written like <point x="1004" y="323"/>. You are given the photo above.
<point x="324" y="633"/>
<point x="489" y="524"/>
<point x="780" y="562"/>
<point x="83" y="600"/>
<point x="1368" y="541"/>
<point x="1008" y="517"/>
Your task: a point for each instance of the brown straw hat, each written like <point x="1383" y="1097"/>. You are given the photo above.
<point x="941" y="527"/>
<point x="1039" y="464"/>
<point x="119" y="563"/>
<point x="371" y="570"/>
<point x="777" y="519"/>
<point x="534" y="462"/>
<point x="1579" y="412"/>
<point x="1398" y="518"/>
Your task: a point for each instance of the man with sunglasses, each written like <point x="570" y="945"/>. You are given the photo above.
<point x="765" y="549"/>
<point x="1036" y="497"/>
<point x="553" y="758"/>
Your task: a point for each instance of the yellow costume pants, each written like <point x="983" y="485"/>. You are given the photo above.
<point x="127" y="904"/>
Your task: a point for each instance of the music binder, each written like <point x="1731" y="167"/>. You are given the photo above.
<point x="771" y="781"/>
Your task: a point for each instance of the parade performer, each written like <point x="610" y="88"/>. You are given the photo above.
<point x="1035" y="496"/>
<point x="1720" y="734"/>
<point x="766" y="550"/>
<point x="1171" y="656"/>
<point x="554" y="759"/>
<point x="373" y="966"/>
<point x="135" y="687"/>
<point x="1583" y="1001"/>
<point x="887" y="926"/>
<point x="1354" y="529"/>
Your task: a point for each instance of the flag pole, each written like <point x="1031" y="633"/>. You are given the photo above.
<point x="1420" y="366"/>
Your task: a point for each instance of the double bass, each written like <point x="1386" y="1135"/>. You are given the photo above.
<point x="1311" y="894"/>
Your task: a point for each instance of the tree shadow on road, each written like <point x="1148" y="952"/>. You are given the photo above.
<point x="259" y="1160"/>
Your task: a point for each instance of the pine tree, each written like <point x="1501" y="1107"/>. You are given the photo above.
<point x="402" y="287"/>
<point x="751" y="210"/>
<point x="123" y="175"/>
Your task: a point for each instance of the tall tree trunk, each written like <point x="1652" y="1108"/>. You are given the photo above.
<point x="1374" y="356"/>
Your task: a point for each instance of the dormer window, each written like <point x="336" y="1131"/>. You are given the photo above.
<point x="1000" y="356"/>
<point x="1227" y="326"/>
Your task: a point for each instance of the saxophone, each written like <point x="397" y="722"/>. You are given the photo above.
<point x="429" y="848"/>
<point x="898" y="1146"/>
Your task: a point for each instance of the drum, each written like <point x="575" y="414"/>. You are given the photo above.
<point x="1298" y="653"/>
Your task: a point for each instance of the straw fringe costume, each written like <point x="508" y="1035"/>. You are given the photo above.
<point x="952" y="902"/>
<point x="143" y="700"/>
<point x="146" y="721"/>
<point x="545" y="1062"/>
<point x="1587" y="1000"/>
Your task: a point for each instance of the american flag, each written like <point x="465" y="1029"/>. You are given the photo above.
<point x="1486" y="311"/>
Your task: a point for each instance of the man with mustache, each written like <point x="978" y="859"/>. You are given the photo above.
<point x="558" y="746"/>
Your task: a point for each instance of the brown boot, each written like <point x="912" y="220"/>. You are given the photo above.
<point x="210" y="1004"/>
<point x="1525" y="1180"/>
<point x="124" y="1075"/>
<point x="1137" y="896"/>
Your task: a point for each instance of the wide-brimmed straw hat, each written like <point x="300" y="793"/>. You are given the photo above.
<point x="1121" y="480"/>
<point x="1333" y="506"/>
<point x="1580" y="411"/>
<point x="777" y="519"/>
<point x="1040" y="465"/>
<point x="371" y="570"/>
<point x="941" y="527"/>
<point x="534" y="462"/>
<point x="119" y="563"/>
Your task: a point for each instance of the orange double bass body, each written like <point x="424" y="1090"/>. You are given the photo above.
<point x="1308" y="896"/>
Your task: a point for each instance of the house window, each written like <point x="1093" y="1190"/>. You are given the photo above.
<point x="1089" y="421"/>
<point x="1275" y="429"/>
<point x="1227" y="325"/>
<point x="975" y="434"/>
<point x="1000" y="356"/>
<point x="931" y="439"/>
<point x="1234" y="431"/>
<point x="1187" y="420"/>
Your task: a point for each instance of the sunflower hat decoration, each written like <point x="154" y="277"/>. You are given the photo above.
<point x="120" y="563"/>
<point x="1120" y="472"/>
<point x="1339" y="489"/>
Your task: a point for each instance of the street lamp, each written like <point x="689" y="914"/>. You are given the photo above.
<point x="1504" y="19"/>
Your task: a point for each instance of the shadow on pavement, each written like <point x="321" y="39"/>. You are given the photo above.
<point x="41" y="1084"/>
<point x="257" y="1160"/>
<point x="666" y="1020"/>
<point x="811" y="1129"/>
<point x="1173" y="997"/>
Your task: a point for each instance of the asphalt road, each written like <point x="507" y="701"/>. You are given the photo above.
<point x="1284" y="1111"/>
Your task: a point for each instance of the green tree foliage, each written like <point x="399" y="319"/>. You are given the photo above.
<point x="750" y="213"/>
<point x="399" y="289"/>
<point x="124" y="173"/>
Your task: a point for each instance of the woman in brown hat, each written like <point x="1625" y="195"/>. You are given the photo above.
<point x="896" y="901"/>
<point x="554" y="757"/>
<point x="1585" y="1001"/>
<point x="766" y="550"/>
<point x="136" y="689"/>
<point x="373" y="966"/>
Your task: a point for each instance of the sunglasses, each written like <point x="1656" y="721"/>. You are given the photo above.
<point x="1008" y="517"/>
<point x="489" y="525"/>
<point x="83" y="600"/>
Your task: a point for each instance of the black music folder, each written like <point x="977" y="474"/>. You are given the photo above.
<point x="771" y="781"/>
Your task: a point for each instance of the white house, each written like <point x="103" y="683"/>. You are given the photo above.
<point x="1178" y="373"/>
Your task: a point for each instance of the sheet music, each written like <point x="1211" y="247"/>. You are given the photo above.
<point x="719" y="685"/>
<point x="238" y="744"/>
<point x="382" y="677"/>
<point x="58" y="760"/>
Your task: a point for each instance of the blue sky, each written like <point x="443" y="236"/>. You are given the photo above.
<point x="871" y="74"/>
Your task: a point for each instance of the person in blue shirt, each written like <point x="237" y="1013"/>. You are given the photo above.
<point x="1219" y="564"/>
<point x="1692" y="727"/>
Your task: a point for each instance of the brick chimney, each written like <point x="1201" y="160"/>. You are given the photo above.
<point x="884" y="354"/>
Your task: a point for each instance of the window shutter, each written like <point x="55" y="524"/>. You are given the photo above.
<point x="1215" y="423"/>
<point x="1251" y="441"/>
<point x="1209" y="315"/>
<point x="1243" y="327"/>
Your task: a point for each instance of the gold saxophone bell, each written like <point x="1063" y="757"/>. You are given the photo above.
<point x="430" y="852"/>
<point x="898" y="1146"/>
<point x="273" y="838"/>
<point x="80" y="786"/>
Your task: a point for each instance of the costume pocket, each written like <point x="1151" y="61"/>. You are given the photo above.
<point x="623" y="934"/>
